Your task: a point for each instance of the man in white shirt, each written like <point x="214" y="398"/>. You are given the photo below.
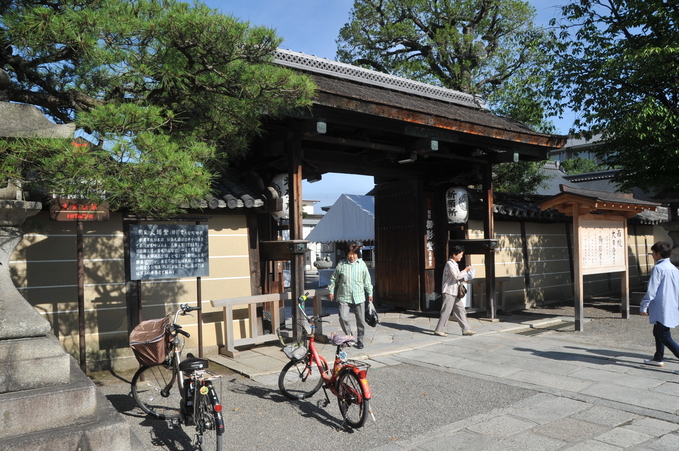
<point x="661" y="302"/>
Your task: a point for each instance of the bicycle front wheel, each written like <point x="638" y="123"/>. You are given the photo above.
<point x="352" y="402"/>
<point x="155" y="391"/>
<point x="299" y="379"/>
<point x="209" y="420"/>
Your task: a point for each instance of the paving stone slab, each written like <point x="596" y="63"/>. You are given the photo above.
<point x="669" y="388"/>
<point x="474" y="366"/>
<point x="593" y="445"/>
<point x="652" y="426"/>
<point x="459" y="441"/>
<point x="550" y="409"/>
<point x="605" y="416"/>
<point x="558" y="382"/>
<point x="632" y="396"/>
<point x="669" y="442"/>
<point x="623" y="437"/>
<point x="570" y="430"/>
<point x="527" y="441"/>
<point x="610" y="377"/>
<point x="502" y="426"/>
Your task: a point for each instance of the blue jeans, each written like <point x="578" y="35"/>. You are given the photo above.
<point x="663" y="337"/>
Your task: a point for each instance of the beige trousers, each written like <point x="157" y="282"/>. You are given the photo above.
<point x="456" y="306"/>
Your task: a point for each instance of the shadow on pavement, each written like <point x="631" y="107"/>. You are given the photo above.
<point x="314" y="407"/>
<point x="159" y="434"/>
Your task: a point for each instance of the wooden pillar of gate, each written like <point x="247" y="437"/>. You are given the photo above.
<point x="489" y="234"/>
<point x="294" y="150"/>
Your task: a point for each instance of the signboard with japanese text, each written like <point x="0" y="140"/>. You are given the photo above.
<point x="602" y="245"/>
<point x="429" y="261"/>
<point x="73" y="210"/>
<point x="168" y="251"/>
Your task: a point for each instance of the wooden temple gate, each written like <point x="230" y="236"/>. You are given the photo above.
<point x="417" y="141"/>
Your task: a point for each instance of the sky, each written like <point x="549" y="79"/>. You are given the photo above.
<point x="311" y="27"/>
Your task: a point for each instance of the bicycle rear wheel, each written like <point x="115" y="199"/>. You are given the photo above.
<point x="352" y="403"/>
<point x="209" y="420"/>
<point x="154" y="390"/>
<point x="299" y="379"/>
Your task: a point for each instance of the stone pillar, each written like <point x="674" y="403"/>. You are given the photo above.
<point x="30" y="356"/>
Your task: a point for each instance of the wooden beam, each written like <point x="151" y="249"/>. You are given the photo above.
<point x="579" y="280"/>
<point x="353" y="143"/>
<point x="294" y="148"/>
<point x="489" y="234"/>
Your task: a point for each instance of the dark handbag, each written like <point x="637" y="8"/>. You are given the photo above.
<point x="461" y="291"/>
<point x="371" y="314"/>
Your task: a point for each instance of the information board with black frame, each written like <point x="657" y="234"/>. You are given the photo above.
<point x="168" y="251"/>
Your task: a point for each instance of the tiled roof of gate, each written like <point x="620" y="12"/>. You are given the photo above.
<point x="368" y="85"/>
<point x="361" y="75"/>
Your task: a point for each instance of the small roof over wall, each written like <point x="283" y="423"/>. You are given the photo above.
<point x="596" y="202"/>
<point x="351" y="218"/>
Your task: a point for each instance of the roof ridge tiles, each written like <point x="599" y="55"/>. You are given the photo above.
<point x="326" y="66"/>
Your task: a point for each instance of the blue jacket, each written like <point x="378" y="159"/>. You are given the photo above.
<point x="662" y="297"/>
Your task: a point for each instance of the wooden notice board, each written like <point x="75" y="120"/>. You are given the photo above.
<point x="602" y="245"/>
<point x="600" y="248"/>
<point x="600" y="235"/>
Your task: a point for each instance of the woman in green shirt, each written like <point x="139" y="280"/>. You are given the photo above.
<point x="351" y="280"/>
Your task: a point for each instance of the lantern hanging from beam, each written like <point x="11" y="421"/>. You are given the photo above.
<point x="457" y="205"/>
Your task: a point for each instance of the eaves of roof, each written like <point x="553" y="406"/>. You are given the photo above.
<point x="511" y="207"/>
<point x="240" y="193"/>
<point x="455" y="112"/>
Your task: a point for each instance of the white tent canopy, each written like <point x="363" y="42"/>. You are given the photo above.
<point x="351" y="218"/>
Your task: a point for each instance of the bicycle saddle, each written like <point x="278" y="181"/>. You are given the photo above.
<point x="192" y="364"/>
<point x="339" y="340"/>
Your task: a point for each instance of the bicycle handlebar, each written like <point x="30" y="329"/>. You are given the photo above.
<point x="183" y="332"/>
<point x="183" y="310"/>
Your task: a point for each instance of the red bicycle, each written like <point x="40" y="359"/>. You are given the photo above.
<point x="347" y="380"/>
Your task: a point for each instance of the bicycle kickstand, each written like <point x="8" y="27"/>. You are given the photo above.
<point x="327" y="399"/>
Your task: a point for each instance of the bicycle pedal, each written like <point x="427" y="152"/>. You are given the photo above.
<point x="172" y="423"/>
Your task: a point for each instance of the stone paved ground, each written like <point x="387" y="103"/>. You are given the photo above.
<point x="528" y="382"/>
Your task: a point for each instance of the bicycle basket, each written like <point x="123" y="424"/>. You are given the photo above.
<point x="150" y="341"/>
<point x="293" y="349"/>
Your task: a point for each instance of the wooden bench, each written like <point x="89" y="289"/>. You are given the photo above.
<point x="255" y="338"/>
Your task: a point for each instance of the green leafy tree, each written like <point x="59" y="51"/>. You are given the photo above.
<point x="580" y="165"/>
<point x="489" y="48"/>
<point x="618" y="68"/>
<point x="169" y="91"/>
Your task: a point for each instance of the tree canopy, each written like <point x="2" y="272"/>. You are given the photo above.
<point x="618" y="68"/>
<point x="169" y="91"/>
<point x="580" y="165"/>
<point x="489" y="48"/>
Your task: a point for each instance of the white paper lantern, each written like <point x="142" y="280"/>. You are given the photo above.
<point x="280" y="184"/>
<point x="457" y="205"/>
